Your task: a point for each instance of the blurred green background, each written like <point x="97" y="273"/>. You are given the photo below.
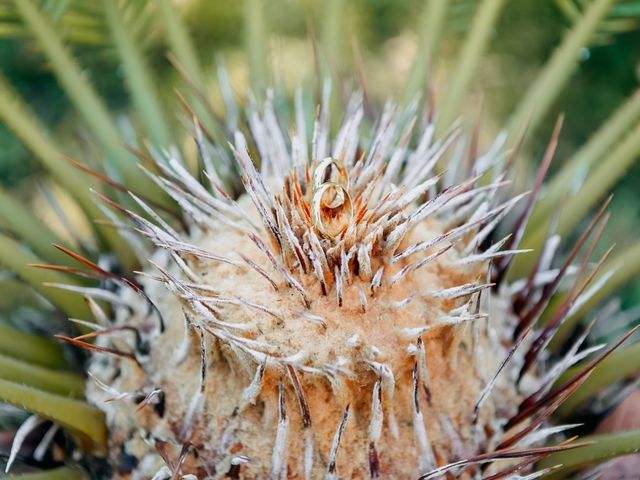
<point x="385" y="33"/>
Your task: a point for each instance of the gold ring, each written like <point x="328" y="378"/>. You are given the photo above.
<point x="319" y="174"/>
<point x="331" y="215"/>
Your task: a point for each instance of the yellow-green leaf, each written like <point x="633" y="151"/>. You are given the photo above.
<point x="75" y="415"/>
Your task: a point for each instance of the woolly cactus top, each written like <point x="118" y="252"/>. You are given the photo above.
<point x="312" y="326"/>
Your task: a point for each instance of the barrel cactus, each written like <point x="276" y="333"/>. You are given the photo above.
<point x="340" y="290"/>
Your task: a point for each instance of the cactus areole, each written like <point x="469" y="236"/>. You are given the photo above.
<point x="337" y="320"/>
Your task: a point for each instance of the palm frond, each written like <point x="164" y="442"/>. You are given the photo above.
<point x="86" y="100"/>
<point x="597" y="184"/>
<point x="18" y="219"/>
<point x="16" y="115"/>
<point x="617" y="271"/>
<point x="549" y="82"/>
<point x="392" y="151"/>
<point x="583" y="161"/>
<point x="624" y="17"/>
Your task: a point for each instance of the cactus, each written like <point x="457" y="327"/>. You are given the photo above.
<point x="367" y="296"/>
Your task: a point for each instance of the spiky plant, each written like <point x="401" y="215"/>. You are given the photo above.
<point x="340" y="301"/>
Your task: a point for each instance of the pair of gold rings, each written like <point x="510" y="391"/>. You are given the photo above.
<point x="331" y="206"/>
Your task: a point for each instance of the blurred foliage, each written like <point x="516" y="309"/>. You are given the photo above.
<point x="528" y="31"/>
<point x="608" y="73"/>
<point x="623" y="18"/>
<point x="526" y="35"/>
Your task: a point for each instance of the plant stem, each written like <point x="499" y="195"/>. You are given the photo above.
<point x="603" y="447"/>
<point x="617" y="366"/>
<point x="584" y="159"/>
<point x="143" y="92"/>
<point x="625" y="266"/>
<point x="431" y="25"/>
<point x="468" y="60"/>
<point x="254" y="23"/>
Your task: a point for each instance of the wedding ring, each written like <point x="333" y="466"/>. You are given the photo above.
<point x="331" y="209"/>
<point x="335" y="170"/>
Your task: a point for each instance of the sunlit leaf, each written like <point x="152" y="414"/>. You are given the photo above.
<point x="16" y="258"/>
<point x="30" y="348"/>
<point x="62" y="383"/>
<point x="19" y="220"/>
<point x="76" y="415"/>
<point x="23" y="123"/>
<point x="61" y="473"/>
